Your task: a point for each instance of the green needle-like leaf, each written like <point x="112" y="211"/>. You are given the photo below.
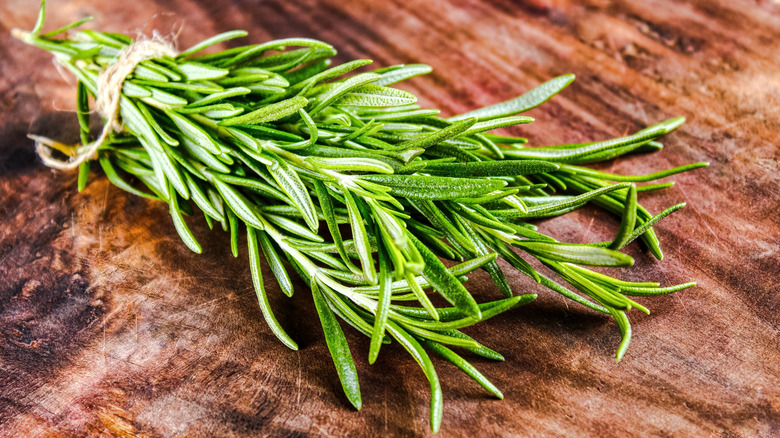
<point x="216" y="39"/>
<point x="400" y="73"/>
<point x="527" y="101"/>
<point x="464" y="366"/>
<point x="437" y="136"/>
<point x="371" y="95"/>
<point x="625" y="332"/>
<point x="361" y="237"/>
<point x="268" y="113"/>
<point x="582" y="254"/>
<point x="328" y="212"/>
<point x="275" y="263"/>
<point x="201" y="199"/>
<point x="339" y="350"/>
<point x="418" y="353"/>
<point x="383" y="304"/>
<point x="491" y="168"/>
<point x="434" y="187"/>
<point x="181" y="226"/>
<point x="233" y="224"/>
<point x="257" y="280"/>
<point x="293" y="187"/>
<point x="628" y="221"/>
<point x="116" y="180"/>
<point x="194" y="133"/>
<point x="83" y="176"/>
<point x="492" y="268"/>
<point x="445" y="283"/>
<point x="239" y="204"/>
<point x="341" y="89"/>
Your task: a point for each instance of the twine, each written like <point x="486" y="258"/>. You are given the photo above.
<point x="109" y="93"/>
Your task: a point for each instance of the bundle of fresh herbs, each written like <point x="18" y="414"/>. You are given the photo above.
<point x="274" y="142"/>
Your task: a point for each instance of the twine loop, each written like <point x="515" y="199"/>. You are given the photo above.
<point x="109" y="93"/>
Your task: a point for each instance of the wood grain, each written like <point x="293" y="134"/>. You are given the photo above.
<point x="110" y="326"/>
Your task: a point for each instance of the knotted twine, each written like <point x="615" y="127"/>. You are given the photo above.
<point x="109" y="92"/>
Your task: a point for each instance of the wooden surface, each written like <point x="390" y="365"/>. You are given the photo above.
<point x="110" y="326"/>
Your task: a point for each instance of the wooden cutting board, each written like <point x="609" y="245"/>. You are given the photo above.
<point x="110" y="326"/>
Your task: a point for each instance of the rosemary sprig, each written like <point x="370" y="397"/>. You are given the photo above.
<point x="275" y="141"/>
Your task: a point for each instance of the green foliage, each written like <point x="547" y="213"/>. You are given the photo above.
<point x="269" y="138"/>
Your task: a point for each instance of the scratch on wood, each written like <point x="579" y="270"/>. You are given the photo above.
<point x="587" y="230"/>
<point x="105" y="202"/>
<point x="702" y="219"/>
<point x="105" y="359"/>
<point x="678" y="296"/>
<point x="694" y="264"/>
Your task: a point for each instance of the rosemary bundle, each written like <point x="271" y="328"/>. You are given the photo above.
<point x="272" y="141"/>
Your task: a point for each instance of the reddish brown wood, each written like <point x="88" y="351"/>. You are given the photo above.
<point x="110" y="326"/>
